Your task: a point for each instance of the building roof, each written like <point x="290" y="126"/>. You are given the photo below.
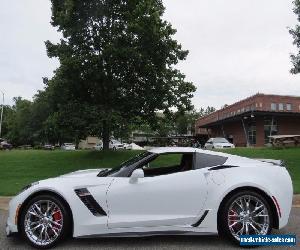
<point x="259" y="104"/>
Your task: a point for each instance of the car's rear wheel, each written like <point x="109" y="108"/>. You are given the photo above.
<point x="45" y="221"/>
<point x="245" y="213"/>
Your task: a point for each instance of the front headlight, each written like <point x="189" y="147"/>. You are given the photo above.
<point x="29" y="186"/>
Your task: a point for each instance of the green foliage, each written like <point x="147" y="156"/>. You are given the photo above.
<point x="296" y="36"/>
<point x="18" y="123"/>
<point x="117" y="58"/>
<point x="7" y="117"/>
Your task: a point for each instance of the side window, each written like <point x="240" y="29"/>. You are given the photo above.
<point x="169" y="164"/>
<point x="207" y="160"/>
<point x="165" y="160"/>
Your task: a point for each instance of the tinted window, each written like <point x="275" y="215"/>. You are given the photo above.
<point x="165" y="160"/>
<point x="169" y="164"/>
<point x="207" y="160"/>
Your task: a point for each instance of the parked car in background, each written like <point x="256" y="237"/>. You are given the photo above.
<point x="4" y="145"/>
<point x="26" y="147"/>
<point x="98" y="146"/>
<point x="68" y="146"/>
<point x="115" y="145"/>
<point x="218" y="142"/>
<point x="127" y="146"/>
<point x="48" y="147"/>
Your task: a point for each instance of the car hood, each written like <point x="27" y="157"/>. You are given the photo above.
<point x="83" y="173"/>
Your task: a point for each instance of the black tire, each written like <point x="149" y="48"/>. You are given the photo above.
<point x="66" y="225"/>
<point x="223" y="227"/>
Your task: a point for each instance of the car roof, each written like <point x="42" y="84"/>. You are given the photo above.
<point x="163" y="150"/>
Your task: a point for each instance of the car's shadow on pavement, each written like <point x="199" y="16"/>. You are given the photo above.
<point x="154" y="242"/>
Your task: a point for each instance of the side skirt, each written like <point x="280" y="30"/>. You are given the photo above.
<point x="145" y="234"/>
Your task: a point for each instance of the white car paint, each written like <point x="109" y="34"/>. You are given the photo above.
<point x="68" y="146"/>
<point x="218" y="143"/>
<point x="113" y="144"/>
<point x="127" y="146"/>
<point x="161" y="204"/>
<point x="132" y="205"/>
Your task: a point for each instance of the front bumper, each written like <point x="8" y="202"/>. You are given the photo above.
<point x="9" y="233"/>
<point x="13" y="209"/>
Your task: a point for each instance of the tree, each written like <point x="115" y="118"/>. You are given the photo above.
<point x="296" y="35"/>
<point x="7" y="116"/>
<point x="19" y="130"/>
<point x="117" y="57"/>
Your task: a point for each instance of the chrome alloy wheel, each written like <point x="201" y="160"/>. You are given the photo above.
<point x="247" y="214"/>
<point x="43" y="222"/>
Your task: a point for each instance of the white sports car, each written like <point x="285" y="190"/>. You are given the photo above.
<point x="162" y="191"/>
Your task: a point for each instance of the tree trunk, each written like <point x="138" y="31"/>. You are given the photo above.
<point x="105" y="135"/>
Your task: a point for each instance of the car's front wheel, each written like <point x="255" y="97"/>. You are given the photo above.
<point x="245" y="213"/>
<point x="45" y="221"/>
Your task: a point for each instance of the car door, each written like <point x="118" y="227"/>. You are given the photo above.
<point x="209" y="144"/>
<point x="165" y="200"/>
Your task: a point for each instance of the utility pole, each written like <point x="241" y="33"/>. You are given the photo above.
<point x="1" y="117"/>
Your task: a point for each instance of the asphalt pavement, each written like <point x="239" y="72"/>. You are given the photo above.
<point x="155" y="242"/>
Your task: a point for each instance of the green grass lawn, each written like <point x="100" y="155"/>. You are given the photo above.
<point x="21" y="167"/>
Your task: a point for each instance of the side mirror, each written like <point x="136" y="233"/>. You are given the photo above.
<point x="136" y="174"/>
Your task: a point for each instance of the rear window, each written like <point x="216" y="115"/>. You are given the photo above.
<point x="207" y="160"/>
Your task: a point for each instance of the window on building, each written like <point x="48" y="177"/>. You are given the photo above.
<point x="273" y="106"/>
<point x="280" y="106"/>
<point x="252" y="133"/>
<point x="270" y="128"/>
<point x="288" y="107"/>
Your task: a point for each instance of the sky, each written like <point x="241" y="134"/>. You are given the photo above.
<point x="237" y="47"/>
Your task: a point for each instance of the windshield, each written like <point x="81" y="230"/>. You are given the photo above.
<point x="220" y="140"/>
<point x="118" y="170"/>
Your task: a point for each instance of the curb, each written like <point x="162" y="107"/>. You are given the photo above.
<point x="4" y="200"/>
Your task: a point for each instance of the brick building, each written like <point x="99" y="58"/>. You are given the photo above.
<point x="251" y="121"/>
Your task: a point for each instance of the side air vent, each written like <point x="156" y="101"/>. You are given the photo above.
<point x="201" y="219"/>
<point x="89" y="201"/>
